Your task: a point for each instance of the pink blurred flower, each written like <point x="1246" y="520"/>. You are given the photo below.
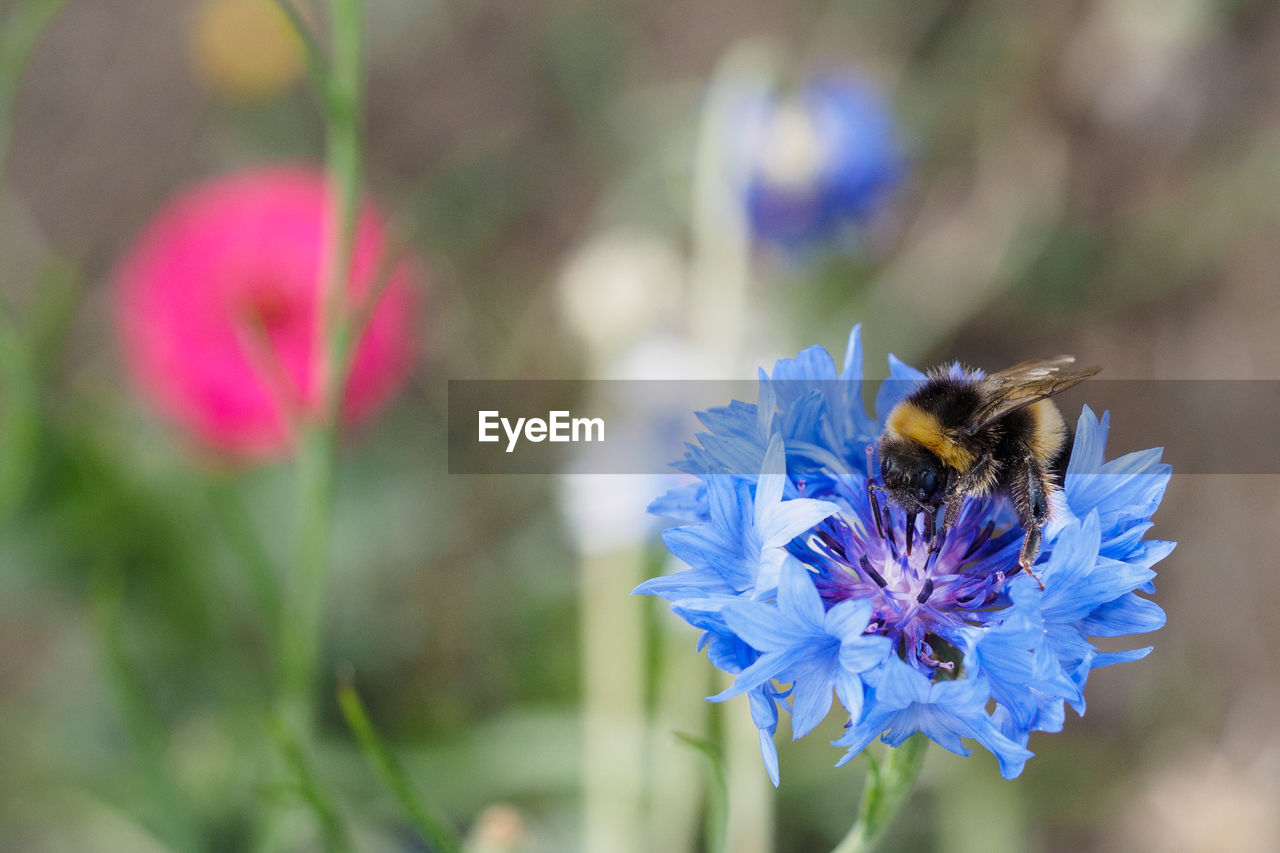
<point x="216" y="306"/>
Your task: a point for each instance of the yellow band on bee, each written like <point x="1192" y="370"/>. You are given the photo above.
<point x="1049" y="432"/>
<point x="915" y="424"/>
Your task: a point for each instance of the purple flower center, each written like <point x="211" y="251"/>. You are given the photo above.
<point x="924" y="594"/>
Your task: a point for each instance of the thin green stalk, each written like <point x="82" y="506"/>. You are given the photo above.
<point x="395" y="250"/>
<point x="237" y="527"/>
<point x="717" y="826"/>
<point x="303" y="610"/>
<point x="18" y="36"/>
<point x="317" y="64"/>
<point x="888" y="786"/>
<point x="721" y="262"/>
<point x="19" y="414"/>
<point x="720" y="283"/>
<point x="717" y="789"/>
<point x="612" y="702"/>
<point x="264" y="358"/>
<point x="145" y="726"/>
<point x="19" y="363"/>
<point x="345" y="173"/>
<point x="60" y="286"/>
<point x="434" y="831"/>
<point x="332" y="827"/>
<point x="302" y="613"/>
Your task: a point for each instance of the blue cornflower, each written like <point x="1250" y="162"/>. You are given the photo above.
<point x="803" y="597"/>
<point x="803" y="642"/>
<point x="816" y="160"/>
<point x="740" y="549"/>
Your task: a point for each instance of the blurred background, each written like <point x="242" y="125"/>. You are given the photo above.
<point x="1100" y="177"/>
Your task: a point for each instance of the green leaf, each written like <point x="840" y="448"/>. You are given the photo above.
<point x="717" y="789"/>
<point x="438" y="833"/>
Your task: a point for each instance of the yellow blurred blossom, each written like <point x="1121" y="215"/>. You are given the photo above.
<point x="246" y="50"/>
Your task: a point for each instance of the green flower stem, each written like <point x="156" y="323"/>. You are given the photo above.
<point x="720" y="283"/>
<point x="237" y="528"/>
<point x="395" y="250"/>
<point x="435" y="831"/>
<point x="19" y="397"/>
<point x="888" y="786"/>
<point x="345" y="173"/>
<point x="19" y="414"/>
<point x="21" y="30"/>
<point x="317" y="64"/>
<point x="717" y="785"/>
<point x="721" y="260"/>
<point x="303" y="611"/>
<point x="612" y="702"/>
<point x="337" y="839"/>
<point x="172" y="813"/>
<point x="675" y="779"/>
<point x="752" y="797"/>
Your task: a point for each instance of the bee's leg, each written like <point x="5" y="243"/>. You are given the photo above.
<point x="872" y="488"/>
<point x="954" y="504"/>
<point x="953" y="501"/>
<point x="1030" y="550"/>
<point x="884" y="522"/>
<point x="975" y="482"/>
<point x="1030" y="490"/>
<point x="978" y="480"/>
<point x="936" y="535"/>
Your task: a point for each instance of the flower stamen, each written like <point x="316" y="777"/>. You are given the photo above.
<point x="925" y="592"/>
<point x="832" y="544"/>
<point x="888" y="534"/>
<point x="865" y="565"/>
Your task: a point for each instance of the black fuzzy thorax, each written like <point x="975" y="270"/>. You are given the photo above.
<point x="954" y="400"/>
<point x="950" y="399"/>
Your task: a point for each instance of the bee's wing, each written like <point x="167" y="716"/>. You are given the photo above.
<point x="1025" y="383"/>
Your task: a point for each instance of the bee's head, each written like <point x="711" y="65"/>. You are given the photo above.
<point x="912" y="475"/>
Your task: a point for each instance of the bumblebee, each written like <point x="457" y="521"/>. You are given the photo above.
<point x="956" y="436"/>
